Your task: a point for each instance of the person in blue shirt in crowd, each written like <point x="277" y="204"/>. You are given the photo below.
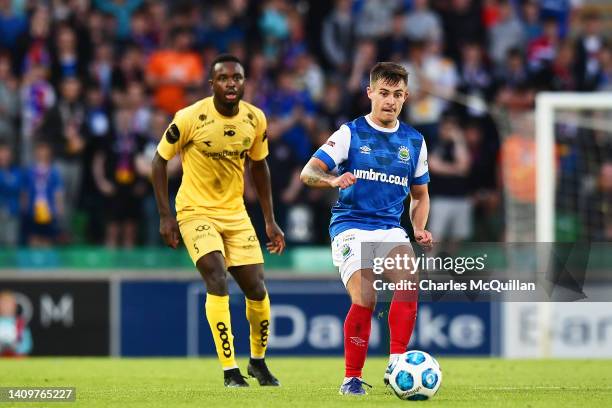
<point x="43" y="198"/>
<point x="10" y="181"/>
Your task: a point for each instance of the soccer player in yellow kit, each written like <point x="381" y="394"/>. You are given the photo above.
<point x="214" y="137"/>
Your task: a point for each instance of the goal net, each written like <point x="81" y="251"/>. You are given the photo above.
<point x="557" y="169"/>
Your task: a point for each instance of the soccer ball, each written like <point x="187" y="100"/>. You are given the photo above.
<point x="415" y="376"/>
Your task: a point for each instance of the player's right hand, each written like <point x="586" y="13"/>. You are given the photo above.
<point x="344" y="181"/>
<point x="169" y="230"/>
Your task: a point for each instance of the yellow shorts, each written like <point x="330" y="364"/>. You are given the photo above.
<point x="234" y="236"/>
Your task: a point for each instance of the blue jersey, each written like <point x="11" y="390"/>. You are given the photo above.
<point x="386" y="162"/>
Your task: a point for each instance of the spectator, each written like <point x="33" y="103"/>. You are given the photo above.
<point x="220" y="32"/>
<point x="365" y="57"/>
<point x="141" y="34"/>
<point x="462" y="23"/>
<point x="506" y="34"/>
<point x="588" y="46"/>
<point x="15" y="336"/>
<point x="542" y="50"/>
<point x="561" y="10"/>
<point x="9" y="102"/>
<point x="114" y="170"/>
<point x="136" y="102"/>
<point x="432" y="82"/>
<point x="129" y="69"/>
<point x="37" y="97"/>
<point x="259" y="84"/>
<point x="66" y="61"/>
<point x="338" y="37"/>
<point x="101" y="68"/>
<point x="121" y="10"/>
<point x="62" y="128"/>
<point x="10" y="189"/>
<point x="561" y="72"/>
<point x="274" y="27"/>
<point x="475" y="81"/>
<point x="332" y="111"/>
<point x="295" y="112"/>
<point x="12" y="25"/>
<point x="490" y="13"/>
<point x="96" y="131"/>
<point x="482" y="183"/>
<point x="374" y="17"/>
<point x="605" y="79"/>
<point x="449" y="165"/>
<point x="43" y="198"/>
<point x="514" y="72"/>
<point x="309" y="76"/>
<point x="158" y="122"/>
<point x="172" y="71"/>
<point x="33" y="45"/>
<point x="531" y="20"/>
<point x="422" y="24"/>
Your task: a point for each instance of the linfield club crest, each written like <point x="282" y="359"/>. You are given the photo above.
<point x="403" y="154"/>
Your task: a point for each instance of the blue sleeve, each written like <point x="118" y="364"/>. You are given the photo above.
<point x="424" y="179"/>
<point x="325" y="158"/>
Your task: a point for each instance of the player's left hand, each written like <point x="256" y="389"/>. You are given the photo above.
<point x="423" y="238"/>
<point x="277" y="238"/>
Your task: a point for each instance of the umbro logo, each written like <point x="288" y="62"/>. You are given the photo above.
<point x="201" y="228"/>
<point x="365" y="149"/>
<point x="358" y="341"/>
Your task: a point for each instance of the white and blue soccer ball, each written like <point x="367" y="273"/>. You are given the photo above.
<point x="415" y="376"/>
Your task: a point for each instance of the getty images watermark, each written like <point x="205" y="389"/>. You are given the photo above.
<point x="450" y="274"/>
<point x="490" y="271"/>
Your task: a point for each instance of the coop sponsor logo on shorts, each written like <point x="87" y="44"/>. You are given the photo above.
<point x="378" y="176"/>
<point x="225" y="344"/>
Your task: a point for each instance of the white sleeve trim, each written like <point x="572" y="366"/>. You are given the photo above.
<point x="422" y="167"/>
<point x="338" y="149"/>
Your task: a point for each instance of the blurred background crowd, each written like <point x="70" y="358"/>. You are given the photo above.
<point x="87" y="88"/>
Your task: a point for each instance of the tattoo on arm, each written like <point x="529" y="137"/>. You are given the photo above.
<point x="314" y="176"/>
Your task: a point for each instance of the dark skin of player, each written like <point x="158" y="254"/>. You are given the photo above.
<point x="227" y="84"/>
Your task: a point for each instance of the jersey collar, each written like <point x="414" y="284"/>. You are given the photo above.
<point x="382" y="129"/>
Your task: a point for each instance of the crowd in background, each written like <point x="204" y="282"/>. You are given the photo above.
<point x="88" y="87"/>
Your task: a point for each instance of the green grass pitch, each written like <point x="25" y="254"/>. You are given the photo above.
<point x="311" y="382"/>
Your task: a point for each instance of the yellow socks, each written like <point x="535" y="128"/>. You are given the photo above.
<point x="258" y="315"/>
<point x="218" y="315"/>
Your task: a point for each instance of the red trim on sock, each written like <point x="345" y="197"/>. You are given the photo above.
<point x="402" y="317"/>
<point x="357" y="327"/>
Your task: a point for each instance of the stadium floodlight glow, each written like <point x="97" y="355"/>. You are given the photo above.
<point x="546" y="104"/>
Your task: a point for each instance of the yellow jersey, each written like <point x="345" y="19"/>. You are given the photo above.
<point x="213" y="149"/>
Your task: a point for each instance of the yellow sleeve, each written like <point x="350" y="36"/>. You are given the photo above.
<point x="176" y="136"/>
<point x="259" y="149"/>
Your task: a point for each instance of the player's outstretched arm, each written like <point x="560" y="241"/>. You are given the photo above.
<point x="419" y="212"/>
<point x="316" y="174"/>
<point x="261" y="179"/>
<point x="168" y="227"/>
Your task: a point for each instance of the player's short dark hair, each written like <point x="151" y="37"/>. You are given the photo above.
<point x="222" y="58"/>
<point x="390" y="72"/>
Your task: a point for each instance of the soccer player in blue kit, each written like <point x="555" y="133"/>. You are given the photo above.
<point x="375" y="161"/>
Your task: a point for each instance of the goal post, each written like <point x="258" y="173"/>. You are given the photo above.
<point x="546" y="104"/>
